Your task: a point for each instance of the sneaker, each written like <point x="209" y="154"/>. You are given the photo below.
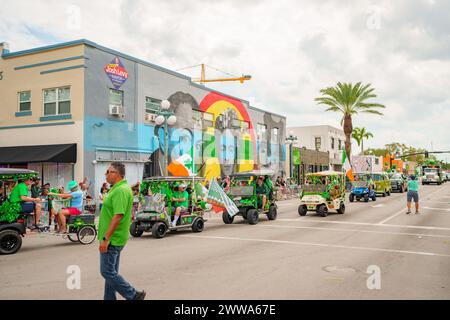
<point x="140" y="295"/>
<point x="408" y="212"/>
<point x="417" y="212"/>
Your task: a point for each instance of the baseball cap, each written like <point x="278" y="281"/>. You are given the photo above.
<point x="71" y="185"/>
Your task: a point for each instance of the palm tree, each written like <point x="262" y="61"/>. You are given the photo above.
<point x="359" y="134"/>
<point x="350" y="100"/>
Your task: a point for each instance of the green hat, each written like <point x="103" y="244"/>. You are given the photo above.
<point x="71" y="185"/>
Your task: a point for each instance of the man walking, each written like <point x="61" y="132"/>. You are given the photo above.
<point x="115" y="220"/>
<point x="413" y="193"/>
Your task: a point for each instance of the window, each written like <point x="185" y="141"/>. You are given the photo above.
<point x="317" y="143"/>
<point x="340" y="144"/>
<point x="25" y="101"/>
<point x="261" y="131"/>
<point x="57" y="101"/>
<point x="274" y="135"/>
<point x="116" y="97"/>
<point x="377" y="161"/>
<point x="152" y="105"/>
<point x="332" y="143"/>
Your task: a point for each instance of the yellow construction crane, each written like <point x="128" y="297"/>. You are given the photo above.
<point x="203" y="79"/>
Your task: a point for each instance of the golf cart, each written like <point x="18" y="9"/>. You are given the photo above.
<point x="14" y="223"/>
<point x="154" y="213"/>
<point x="360" y="190"/>
<point x="243" y="193"/>
<point x="323" y="191"/>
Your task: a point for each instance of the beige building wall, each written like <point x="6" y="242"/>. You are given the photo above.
<point x="32" y="130"/>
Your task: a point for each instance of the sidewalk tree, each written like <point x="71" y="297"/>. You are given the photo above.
<point x="359" y="134"/>
<point x="349" y="100"/>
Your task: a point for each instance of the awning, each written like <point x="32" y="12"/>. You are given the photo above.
<point x="63" y="153"/>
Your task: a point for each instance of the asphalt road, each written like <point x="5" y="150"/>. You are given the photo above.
<point x="292" y="257"/>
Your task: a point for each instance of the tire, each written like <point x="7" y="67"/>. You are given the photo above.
<point x="72" y="238"/>
<point x="87" y="234"/>
<point x="374" y="198"/>
<point x="159" y="230"/>
<point x="302" y="210"/>
<point x="351" y="197"/>
<point x="226" y="218"/>
<point x="366" y="198"/>
<point x="252" y="216"/>
<point x="198" y="225"/>
<point x="388" y="193"/>
<point x="10" y="241"/>
<point x="134" y="230"/>
<point x="384" y="194"/>
<point x="341" y="209"/>
<point x="322" y="210"/>
<point x="272" y="215"/>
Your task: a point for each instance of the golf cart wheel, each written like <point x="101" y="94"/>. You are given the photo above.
<point x="351" y="197"/>
<point x="134" y="230"/>
<point x="198" y="225"/>
<point x="302" y="210"/>
<point x="72" y="238"/>
<point x="272" y="215"/>
<point x="252" y="216"/>
<point x="366" y="198"/>
<point x="388" y="193"/>
<point x="341" y="209"/>
<point x="374" y="198"/>
<point x="87" y="234"/>
<point x="159" y="230"/>
<point x="322" y="210"/>
<point x="384" y="194"/>
<point x="226" y="218"/>
<point x="10" y="241"/>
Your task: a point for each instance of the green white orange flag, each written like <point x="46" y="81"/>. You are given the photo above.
<point x="346" y="167"/>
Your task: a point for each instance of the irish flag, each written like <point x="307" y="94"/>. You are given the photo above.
<point x="346" y="167"/>
<point x="179" y="167"/>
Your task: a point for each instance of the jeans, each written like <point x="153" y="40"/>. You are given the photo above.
<point x="109" y="269"/>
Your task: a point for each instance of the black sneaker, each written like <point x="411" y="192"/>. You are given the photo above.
<point x="140" y="295"/>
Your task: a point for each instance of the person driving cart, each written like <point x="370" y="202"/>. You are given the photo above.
<point x="180" y="199"/>
<point x="76" y="197"/>
<point x="261" y="192"/>
<point x="370" y="182"/>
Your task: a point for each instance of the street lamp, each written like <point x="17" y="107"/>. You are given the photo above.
<point x="166" y="117"/>
<point x="290" y="140"/>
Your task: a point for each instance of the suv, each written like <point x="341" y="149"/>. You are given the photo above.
<point x="399" y="182"/>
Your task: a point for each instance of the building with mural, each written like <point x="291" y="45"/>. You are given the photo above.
<point x="70" y="109"/>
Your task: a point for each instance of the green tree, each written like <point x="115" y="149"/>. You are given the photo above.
<point x="359" y="134"/>
<point x="349" y="100"/>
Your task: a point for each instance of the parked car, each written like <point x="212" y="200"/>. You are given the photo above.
<point x="399" y="182"/>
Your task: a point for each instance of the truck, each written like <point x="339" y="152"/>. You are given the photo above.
<point x="432" y="173"/>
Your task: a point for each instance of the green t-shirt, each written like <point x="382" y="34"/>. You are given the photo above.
<point x="20" y="190"/>
<point x="261" y="189"/>
<point x="119" y="200"/>
<point x="413" y="185"/>
<point x="179" y="194"/>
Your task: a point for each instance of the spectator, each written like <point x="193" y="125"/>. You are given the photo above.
<point x="36" y="189"/>
<point x="103" y="192"/>
<point x="413" y="193"/>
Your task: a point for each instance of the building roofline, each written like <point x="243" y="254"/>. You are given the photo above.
<point x="123" y="55"/>
<point x="275" y="114"/>
<point x="320" y="125"/>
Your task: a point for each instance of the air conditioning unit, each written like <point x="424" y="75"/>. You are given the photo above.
<point x="150" y="117"/>
<point x="116" y="111"/>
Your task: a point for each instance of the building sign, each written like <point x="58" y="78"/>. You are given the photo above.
<point x="116" y="73"/>
<point x="296" y="156"/>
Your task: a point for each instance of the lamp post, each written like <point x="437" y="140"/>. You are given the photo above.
<point x="290" y="140"/>
<point x="168" y="118"/>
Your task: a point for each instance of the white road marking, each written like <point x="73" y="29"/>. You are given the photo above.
<point x="319" y="245"/>
<point x="378" y="205"/>
<point x="345" y="230"/>
<point x="368" y="224"/>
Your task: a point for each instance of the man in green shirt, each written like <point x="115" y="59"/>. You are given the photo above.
<point x="115" y="220"/>
<point x="261" y="192"/>
<point x="19" y="194"/>
<point x="181" y="202"/>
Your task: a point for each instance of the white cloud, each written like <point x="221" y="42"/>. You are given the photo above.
<point x="292" y="49"/>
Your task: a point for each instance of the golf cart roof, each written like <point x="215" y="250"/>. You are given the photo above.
<point x="325" y="173"/>
<point x="11" y="173"/>
<point x="172" y="178"/>
<point x="252" y="173"/>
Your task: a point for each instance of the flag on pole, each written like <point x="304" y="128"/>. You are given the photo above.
<point x="179" y="167"/>
<point x="346" y="167"/>
<point x="218" y="198"/>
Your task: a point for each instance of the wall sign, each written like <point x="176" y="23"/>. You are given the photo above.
<point x="116" y="73"/>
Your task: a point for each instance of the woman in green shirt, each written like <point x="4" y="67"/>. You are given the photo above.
<point x="413" y="193"/>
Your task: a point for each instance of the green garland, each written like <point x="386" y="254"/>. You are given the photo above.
<point x="18" y="176"/>
<point x="9" y="211"/>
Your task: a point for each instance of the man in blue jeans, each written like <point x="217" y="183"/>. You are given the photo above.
<point x="115" y="220"/>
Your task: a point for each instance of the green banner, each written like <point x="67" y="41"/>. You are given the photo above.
<point x="296" y="156"/>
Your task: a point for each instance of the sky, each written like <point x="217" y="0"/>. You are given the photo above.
<point x="292" y="49"/>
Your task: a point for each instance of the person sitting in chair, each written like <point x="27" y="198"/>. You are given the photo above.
<point x="181" y="202"/>
<point x="76" y="208"/>
<point x="19" y="194"/>
<point x="261" y="192"/>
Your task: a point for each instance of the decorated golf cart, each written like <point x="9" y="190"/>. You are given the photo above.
<point x="323" y="191"/>
<point x="243" y="192"/>
<point x="156" y="206"/>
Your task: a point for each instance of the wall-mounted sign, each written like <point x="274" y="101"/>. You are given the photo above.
<point x="116" y="73"/>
